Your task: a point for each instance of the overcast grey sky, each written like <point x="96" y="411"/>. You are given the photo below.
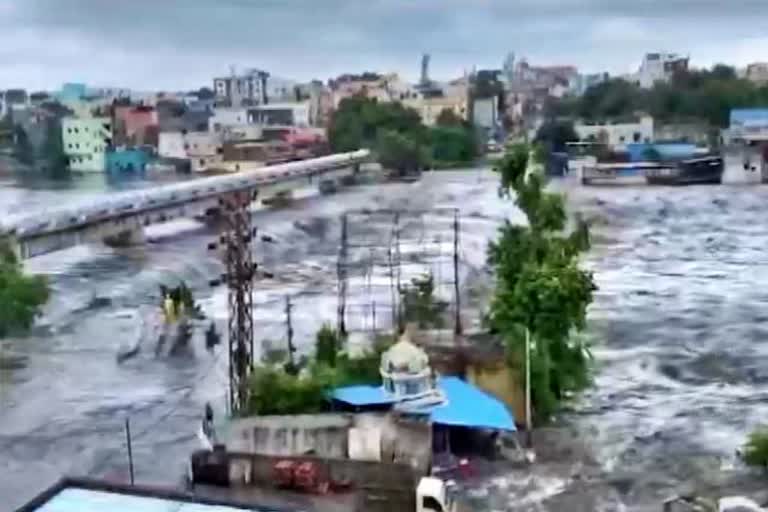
<point x="178" y="44"/>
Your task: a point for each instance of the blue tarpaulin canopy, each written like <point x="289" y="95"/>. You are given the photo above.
<point x="465" y="405"/>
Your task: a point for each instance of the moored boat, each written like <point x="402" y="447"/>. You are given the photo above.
<point x="706" y="170"/>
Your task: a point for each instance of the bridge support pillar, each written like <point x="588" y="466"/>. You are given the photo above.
<point x="126" y="238"/>
<point x="328" y="186"/>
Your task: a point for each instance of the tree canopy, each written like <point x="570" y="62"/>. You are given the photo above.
<point x="705" y="95"/>
<point x="540" y="286"/>
<point x="554" y="134"/>
<point x="21" y="296"/>
<point x="397" y="135"/>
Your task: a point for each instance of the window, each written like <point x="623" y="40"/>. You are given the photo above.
<point x="202" y="161"/>
<point x="76" y="130"/>
<point x="621" y="139"/>
<point x="412" y="387"/>
<point x="77" y="145"/>
<point x="186" y="146"/>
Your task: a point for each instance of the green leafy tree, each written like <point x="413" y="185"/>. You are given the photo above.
<point x="540" y="287"/>
<point x="755" y="452"/>
<point x="359" y="121"/>
<point x="448" y="118"/>
<point x="453" y="144"/>
<point x="420" y="305"/>
<point x="555" y="134"/>
<point x="401" y="153"/>
<point x="327" y="345"/>
<point x="21" y="296"/>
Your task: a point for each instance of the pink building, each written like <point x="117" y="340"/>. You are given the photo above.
<point x="136" y="125"/>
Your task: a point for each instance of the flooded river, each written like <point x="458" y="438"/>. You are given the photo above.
<point x="679" y="325"/>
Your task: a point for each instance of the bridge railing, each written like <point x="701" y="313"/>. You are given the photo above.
<point x="136" y="201"/>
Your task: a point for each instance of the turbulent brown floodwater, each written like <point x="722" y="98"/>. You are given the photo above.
<point x="680" y="325"/>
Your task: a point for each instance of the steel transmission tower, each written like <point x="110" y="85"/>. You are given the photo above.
<point x="240" y="271"/>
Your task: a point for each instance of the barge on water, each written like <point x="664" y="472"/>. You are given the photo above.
<point x="707" y="170"/>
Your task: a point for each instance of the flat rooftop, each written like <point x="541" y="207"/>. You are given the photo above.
<point x="81" y="495"/>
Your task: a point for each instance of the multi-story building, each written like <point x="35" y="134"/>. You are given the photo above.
<point x="371" y="85"/>
<point x="14" y="99"/>
<point x="249" y="88"/>
<point x="757" y="73"/>
<point x="285" y="114"/>
<point x="86" y="142"/>
<point x="136" y="125"/>
<point x="582" y="82"/>
<point x="227" y="116"/>
<point x="659" y="67"/>
<point x="429" y="108"/>
<point x="485" y="113"/>
<point x="202" y="149"/>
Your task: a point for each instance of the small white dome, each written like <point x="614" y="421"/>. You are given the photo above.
<point x="404" y="357"/>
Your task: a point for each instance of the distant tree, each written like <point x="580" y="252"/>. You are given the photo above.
<point x="358" y="120"/>
<point x="453" y="144"/>
<point x="21" y="296"/>
<point x="555" y="134"/>
<point x="447" y="117"/>
<point x="205" y="93"/>
<point x="23" y="150"/>
<point x="327" y="345"/>
<point x="401" y="153"/>
<point x="755" y="451"/>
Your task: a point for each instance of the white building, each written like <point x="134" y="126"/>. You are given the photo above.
<point x="281" y="114"/>
<point x="618" y="133"/>
<point x="203" y="149"/>
<point x="227" y="116"/>
<point x="249" y="88"/>
<point x="485" y="112"/>
<point x="659" y="67"/>
<point x="757" y="73"/>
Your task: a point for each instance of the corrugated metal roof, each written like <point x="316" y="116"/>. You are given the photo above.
<point x="465" y="405"/>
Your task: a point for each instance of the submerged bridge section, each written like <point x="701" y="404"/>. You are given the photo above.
<point x="120" y="218"/>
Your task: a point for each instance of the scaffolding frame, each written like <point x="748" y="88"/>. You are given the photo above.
<point x="385" y="255"/>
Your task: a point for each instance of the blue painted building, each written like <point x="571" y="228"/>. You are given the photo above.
<point x="127" y="160"/>
<point x="72" y="91"/>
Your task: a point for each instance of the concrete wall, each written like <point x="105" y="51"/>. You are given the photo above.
<point x="381" y="487"/>
<point x="500" y="381"/>
<point x="171" y="145"/>
<point x="323" y="434"/>
<point x="373" y="436"/>
<point x="619" y="133"/>
<point x="227" y="116"/>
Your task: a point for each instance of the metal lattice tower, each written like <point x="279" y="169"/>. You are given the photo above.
<point x="240" y="271"/>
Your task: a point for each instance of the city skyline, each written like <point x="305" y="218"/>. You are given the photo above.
<point x="178" y="45"/>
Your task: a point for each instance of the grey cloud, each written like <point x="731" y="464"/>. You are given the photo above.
<point x="182" y="43"/>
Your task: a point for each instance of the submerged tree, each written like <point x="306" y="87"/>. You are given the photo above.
<point x="21" y="296"/>
<point x="540" y="286"/>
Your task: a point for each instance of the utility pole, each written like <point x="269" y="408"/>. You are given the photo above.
<point x="240" y="271"/>
<point x="528" y="422"/>
<point x="457" y="329"/>
<point x="341" y="276"/>
<point x="289" y="332"/>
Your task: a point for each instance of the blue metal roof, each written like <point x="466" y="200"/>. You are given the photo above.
<point x="465" y="404"/>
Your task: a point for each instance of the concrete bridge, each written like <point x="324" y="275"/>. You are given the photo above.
<point x="119" y="219"/>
